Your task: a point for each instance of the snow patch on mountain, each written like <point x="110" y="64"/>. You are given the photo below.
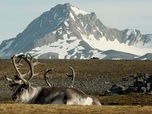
<point x="104" y="44"/>
<point x="61" y="47"/>
<point x="78" y="11"/>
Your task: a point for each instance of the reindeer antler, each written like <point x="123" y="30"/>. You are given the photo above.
<point x="29" y="60"/>
<point x="71" y="75"/>
<point x="46" y="77"/>
<point x="17" y="69"/>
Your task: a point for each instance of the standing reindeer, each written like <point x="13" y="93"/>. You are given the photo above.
<point x="26" y="93"/>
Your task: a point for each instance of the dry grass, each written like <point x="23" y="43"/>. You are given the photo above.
<point x="72" y="109"/>
<point x="130" y="99"/>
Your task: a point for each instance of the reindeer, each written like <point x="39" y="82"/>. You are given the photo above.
<point x="15" y="82"/>
<point x="28" y="94"/>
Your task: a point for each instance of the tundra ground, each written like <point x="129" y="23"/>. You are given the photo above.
<point x="92" y="76"/>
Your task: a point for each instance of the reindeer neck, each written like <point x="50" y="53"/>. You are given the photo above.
<point x="33" y="93"/>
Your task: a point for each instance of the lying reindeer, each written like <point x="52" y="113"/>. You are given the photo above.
<point x="26" y="93"/>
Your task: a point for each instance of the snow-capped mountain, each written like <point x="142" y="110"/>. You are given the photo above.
<point x="67" y="32"/>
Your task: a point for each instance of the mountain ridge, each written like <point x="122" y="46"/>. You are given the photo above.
<point x="71" y="33"/>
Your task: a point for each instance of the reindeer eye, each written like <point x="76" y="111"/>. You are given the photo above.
<point x="22" y="89"/>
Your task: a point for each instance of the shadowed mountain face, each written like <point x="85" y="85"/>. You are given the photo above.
<point x="67" y="32"/>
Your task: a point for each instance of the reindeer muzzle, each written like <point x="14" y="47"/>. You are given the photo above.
<point x="14" y="98"/>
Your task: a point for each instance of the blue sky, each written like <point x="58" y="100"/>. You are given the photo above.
<point x="15" y="15"/>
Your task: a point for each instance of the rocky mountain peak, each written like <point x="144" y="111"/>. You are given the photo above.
<point x="67" y="32"/>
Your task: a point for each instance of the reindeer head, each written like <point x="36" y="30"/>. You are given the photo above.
<point x="14" y="82"/>
<point x="21" y="91"/>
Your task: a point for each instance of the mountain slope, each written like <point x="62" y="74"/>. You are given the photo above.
<point x="116" y="55"/>
<point x="147" y="56"/>
<point x="67" y="32"/>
